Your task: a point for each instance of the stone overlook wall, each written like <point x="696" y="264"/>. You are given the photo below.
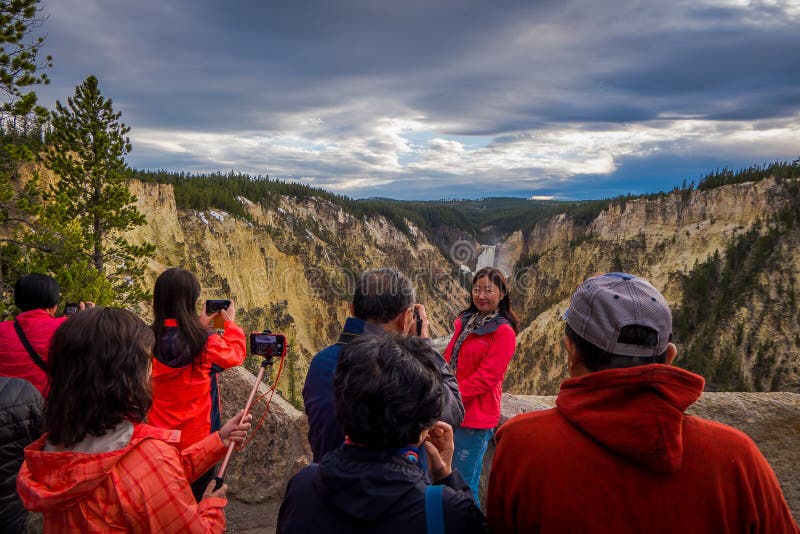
<point x="259" y="473"/>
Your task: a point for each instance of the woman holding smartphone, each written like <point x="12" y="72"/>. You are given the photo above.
<point x="186" y="357"/>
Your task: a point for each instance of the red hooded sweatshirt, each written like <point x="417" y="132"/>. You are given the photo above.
<point x="618" y="454"/>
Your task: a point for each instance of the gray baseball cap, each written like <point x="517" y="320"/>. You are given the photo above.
<point x="603" y="304"/>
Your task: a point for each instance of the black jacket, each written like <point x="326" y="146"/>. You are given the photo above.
<point x="359" y="490"/>
<point x="20" y="425"/>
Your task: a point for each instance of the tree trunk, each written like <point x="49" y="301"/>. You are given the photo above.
<point x="98" y="245"/>
<point x="97" y="229"/>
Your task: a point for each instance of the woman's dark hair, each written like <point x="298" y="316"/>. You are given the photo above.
<point x="387" y="390"/>
<point x="99" y="370"/>
<point x="34" y="291"/>
<point x="596" y="359"/>
<point x="175" y="297"/>
<point x="497" y="277"/>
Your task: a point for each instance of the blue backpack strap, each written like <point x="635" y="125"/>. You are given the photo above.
<point x="434" y="509"/>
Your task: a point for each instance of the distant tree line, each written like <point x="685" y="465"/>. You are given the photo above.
<point x="483" y="219"/>
<point x="222" y="191"/>
<point x="780" y="170"/>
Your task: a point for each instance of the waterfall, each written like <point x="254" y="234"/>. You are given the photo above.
<point x="486" y="259"/>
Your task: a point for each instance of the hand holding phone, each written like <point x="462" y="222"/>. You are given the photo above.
<point x="218" y="311"/>
<point x="420" y="326"/>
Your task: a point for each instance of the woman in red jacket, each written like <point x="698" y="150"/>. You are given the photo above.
<point x="99" y="468"/>
<point x="479" y="354"/>
<point x="186" y="358"/>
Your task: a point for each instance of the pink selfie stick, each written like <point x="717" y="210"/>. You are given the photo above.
<point x="221" y="474"/>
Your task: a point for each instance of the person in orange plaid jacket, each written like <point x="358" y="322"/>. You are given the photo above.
<point x="99" y="468"/>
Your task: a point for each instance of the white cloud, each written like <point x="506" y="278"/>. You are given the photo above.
<point x="372" y="156"/>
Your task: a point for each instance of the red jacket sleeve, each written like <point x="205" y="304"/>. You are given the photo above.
<point x="508" y="481"/>
<point x="167" y="504"/>
<point x="493" y="367"/>
<point x="772" y="512"/>
<point x="226" y="350"/>
<point x="201" y="456"/>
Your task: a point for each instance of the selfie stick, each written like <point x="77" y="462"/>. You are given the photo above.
<point x="221" y="474"/>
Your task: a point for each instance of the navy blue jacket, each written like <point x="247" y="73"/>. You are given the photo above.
<point x="324" y="433"/>
<point x="356" y="489"/>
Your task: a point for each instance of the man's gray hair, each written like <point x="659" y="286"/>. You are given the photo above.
<point x="382" y="294"/>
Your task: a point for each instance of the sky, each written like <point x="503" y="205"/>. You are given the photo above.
<point x="430" y="99"/>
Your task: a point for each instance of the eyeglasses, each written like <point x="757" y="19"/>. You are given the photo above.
<point x="478" y="290"/>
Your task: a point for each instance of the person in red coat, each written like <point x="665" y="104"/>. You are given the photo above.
<point x="186" y="358"/>
<point x="36" y="295"/>
<point x="618" y="453"/>
<point x="99" y="467"/>
<point x="479" y="353"/>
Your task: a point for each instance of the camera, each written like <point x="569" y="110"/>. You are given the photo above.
<point x="267" y="345"/>
<point x="418" y="320"/>
<point x="71" y="308"/>
<point x="215" y="305"/>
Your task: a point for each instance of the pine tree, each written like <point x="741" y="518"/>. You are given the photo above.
<point x="21" y="119"/>
<point x="90" y="204"/>
<point x="20" y="115"/>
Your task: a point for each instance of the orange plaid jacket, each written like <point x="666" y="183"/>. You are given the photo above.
<point x="143" y="487"/>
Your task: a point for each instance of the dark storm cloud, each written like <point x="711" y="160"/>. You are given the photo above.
<point x="230" y="65"/>
<point x="258" y="85"/>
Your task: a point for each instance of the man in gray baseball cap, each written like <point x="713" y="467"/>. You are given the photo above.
<point x="618" y="453"/>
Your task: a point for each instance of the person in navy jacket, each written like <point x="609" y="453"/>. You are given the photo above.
<point x="383" y="302"/>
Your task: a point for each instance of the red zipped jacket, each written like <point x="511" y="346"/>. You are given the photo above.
<point x="39" y="327"/>
<point x="185" y="394"/>
<point x="618" y="454"/>
<point x="143" y="487"/>
<point x="482" y="364"/>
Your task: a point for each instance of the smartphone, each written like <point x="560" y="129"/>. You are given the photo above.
<point x="71" y="308"/>
<point x="215" y="305"/>
<point x="267" y="345"/>
<point x="418" y="320"/>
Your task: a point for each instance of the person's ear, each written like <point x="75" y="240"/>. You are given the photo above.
<point x="422" y="437"/>
<point x="52" y="309"/>
<point x="574" y="361"/>
<point x="672" y="352"/>
<point x="569" y="347"/>
<point x="403" y="319"/>
<point x="352" y="310"/>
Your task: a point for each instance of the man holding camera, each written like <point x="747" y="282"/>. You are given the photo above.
<point x="383" y="302"/>
<point x="618" y="453"/>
